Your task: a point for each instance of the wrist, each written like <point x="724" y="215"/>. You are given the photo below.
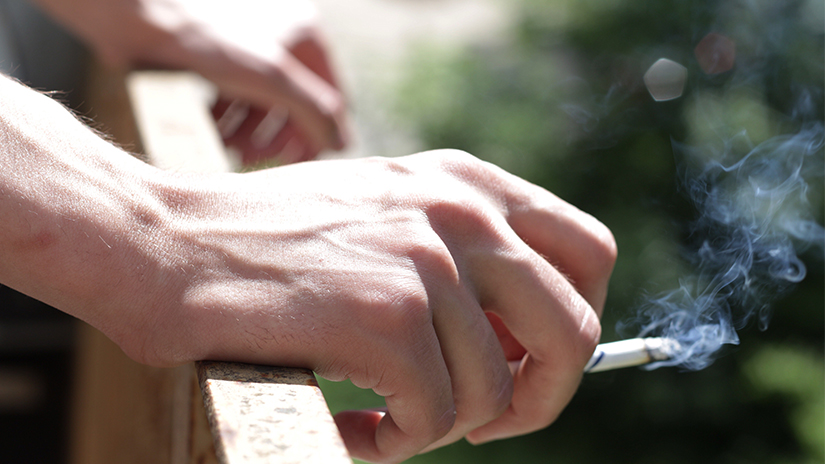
<point x="81" y="222"/>
<point x="165" y="259"/>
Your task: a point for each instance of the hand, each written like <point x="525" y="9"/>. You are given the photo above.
<point x="385" y="272"/>
<point x="279" y="95"/>
<point x="418" y="277"/>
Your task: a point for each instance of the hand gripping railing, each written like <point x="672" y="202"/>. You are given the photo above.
<point x="206" y="412"/>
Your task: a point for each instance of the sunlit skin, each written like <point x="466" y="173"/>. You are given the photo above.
<point x="387" y="272"/>
<point x="418" y="277"/>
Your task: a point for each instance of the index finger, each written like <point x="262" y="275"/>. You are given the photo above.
<point x="549" y="297"/>
<point x="574" y="242"/>
<point x="556" y="326"/>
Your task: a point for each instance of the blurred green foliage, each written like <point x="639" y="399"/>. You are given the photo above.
<point x="562" y="103"/>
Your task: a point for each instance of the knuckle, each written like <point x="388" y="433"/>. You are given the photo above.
<point x="434" y="262"/>
<point x="607" y="248"/>
<point x="444" y="423"/>
<point x="603" y="248"/>
<point x="461" y="164"/>
<point x="413" y="309"/>
<point x="492" y="402"/>
<point x="589" y="336"/>
<point x="457" y="163"/>
<point x="441" y="423"/>
<point x="503" y="396"/>
<point x="436" y="423"/>
<point x="448" y="156"/>
<point x="464" y="218"/>
<point x="457" y="157"/>
<point x="397" y="166"/>
<point x="400" y="313"/>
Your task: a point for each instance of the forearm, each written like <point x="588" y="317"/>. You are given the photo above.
<point x="72" y="210"/>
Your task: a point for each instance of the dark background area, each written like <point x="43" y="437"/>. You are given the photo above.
<point x="36" y="359"/>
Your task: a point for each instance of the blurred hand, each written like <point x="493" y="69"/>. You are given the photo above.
<point x="419" y="278"/>
<point x="279" y="95"/>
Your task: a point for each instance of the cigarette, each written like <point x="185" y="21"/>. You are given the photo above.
<point x="631" y="352"/>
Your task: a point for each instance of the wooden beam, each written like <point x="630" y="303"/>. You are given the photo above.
<point x="262" y="414"/>
<point x="174" y="122"/>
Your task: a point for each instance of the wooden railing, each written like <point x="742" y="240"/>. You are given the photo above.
<point x="206" y="412"/>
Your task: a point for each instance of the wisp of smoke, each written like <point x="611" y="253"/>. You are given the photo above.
<point x="754" y="216"/>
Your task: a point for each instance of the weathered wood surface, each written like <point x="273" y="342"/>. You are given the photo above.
<point x="262" y="414"/>
<point x="174" y="123"/>
<point x="129" y="413"/>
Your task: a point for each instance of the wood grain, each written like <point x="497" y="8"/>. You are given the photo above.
<point x="262" y="414"/>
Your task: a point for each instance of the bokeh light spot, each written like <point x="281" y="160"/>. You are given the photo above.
<point x="665" y="80"/>
<point x="715" y="53"/>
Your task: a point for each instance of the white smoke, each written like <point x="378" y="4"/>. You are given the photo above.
<point x="754" y="217"/>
